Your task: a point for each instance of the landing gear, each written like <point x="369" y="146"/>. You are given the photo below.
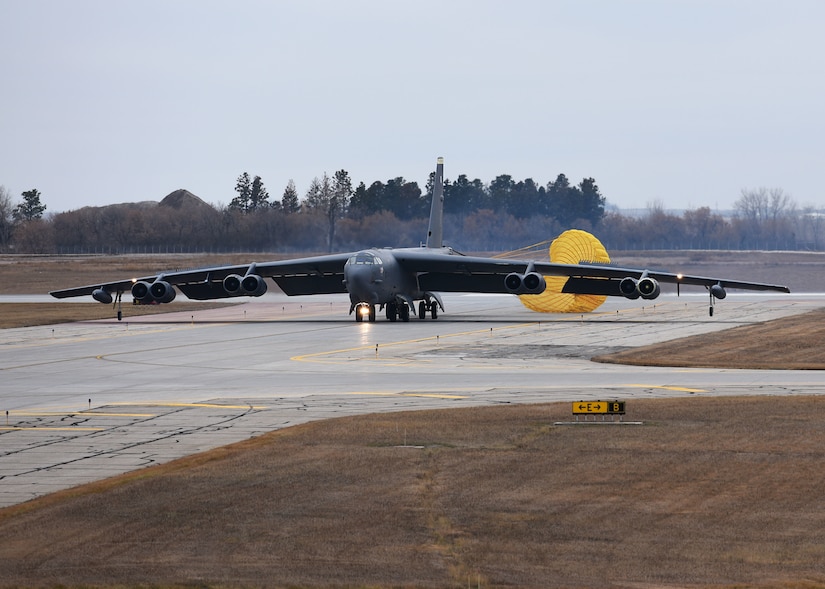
<point x="424" y="306"/>
<point x="717" y="291"/>
<point x="365" y="311"/>
<point x="396" y="310"/>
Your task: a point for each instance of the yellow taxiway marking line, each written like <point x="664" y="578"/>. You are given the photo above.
<point x="51" y="429"/>
<point x="317" y="356"/>
<point x="667" y="388"/>
<point x="204" y="405"/>
<point x="392" y="394"/>
<point x="79" y="414"/>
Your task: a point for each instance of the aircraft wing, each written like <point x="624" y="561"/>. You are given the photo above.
<point x="436" y="271"/>
<point x="457" y="273"/>
<point x="314" y="275"/>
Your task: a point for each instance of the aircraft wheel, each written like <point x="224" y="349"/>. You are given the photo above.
<point x="404" y="312"/>
<point x="358" y="317"/>
<point x="392" y="311"/>
<point x="372" y="313"/>
<point x="434" y="310"/>
<point x="422" y="310"/>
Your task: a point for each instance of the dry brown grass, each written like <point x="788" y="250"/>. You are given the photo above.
<point x="23" y="275"/>
<point x="791" y="343"/>
<point x="31" y="314"/>
<point x="710" y="492"/>
<point x="41" y="274"/>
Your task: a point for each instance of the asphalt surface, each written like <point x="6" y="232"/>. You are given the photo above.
<point x="83" y="401"/>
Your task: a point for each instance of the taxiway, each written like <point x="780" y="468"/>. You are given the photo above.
<point x="84" y="401"/>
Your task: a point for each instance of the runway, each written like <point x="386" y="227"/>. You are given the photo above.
<point x="85" y="401"/>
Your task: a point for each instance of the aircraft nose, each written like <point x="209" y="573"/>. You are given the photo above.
<point x="359" y="282"/>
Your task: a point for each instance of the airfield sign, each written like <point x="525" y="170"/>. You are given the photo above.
<point x="598" y="407"/>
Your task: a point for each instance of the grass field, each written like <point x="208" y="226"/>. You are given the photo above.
<point x="709" y="492"/>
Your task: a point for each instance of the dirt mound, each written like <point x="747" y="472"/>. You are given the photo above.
<point x="181" y="198"/>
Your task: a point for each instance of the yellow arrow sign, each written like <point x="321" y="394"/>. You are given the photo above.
<point x="590" y="407"/>
<point x="587" y="407"/>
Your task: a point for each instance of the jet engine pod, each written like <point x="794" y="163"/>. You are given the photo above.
<point x="648" y="288"/>
<point x="232" y="285"/>
<point x="102" y="296"/>
<point x="162" y="291"/>
<point x="250" y="285"/>
<point x="629" y="288"/>
<point x="253" y="285"/>
<point x="533" y="283"/>
<point x="513" y="283"/>
<point x="141" y="293"/>
<point x="718" y="291"/>
<point x="530" y="283"/>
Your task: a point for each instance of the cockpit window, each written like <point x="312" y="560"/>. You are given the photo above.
<point x="364" y="259"/>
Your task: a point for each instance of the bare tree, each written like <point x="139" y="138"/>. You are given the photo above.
<point x="764" y="204"/>
<point x="766" y="214"/>
<point x="6" y="217"/>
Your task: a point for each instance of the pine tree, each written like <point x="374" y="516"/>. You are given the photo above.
<point x="243" y="187"/>
<point x="31" y="208"/>
<point x="258" y="196"/>
<point x="289" y="201"/>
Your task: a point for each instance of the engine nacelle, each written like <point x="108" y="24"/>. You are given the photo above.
<point x="530" y="283"/>
<point x="162" y="291"/>
<point x="232" y="285"/>
<point x="140" y="291"/>
<point x="648" y="288"/>
<point x="102" y="296"/>
<point x="718" y="291"/>
<point x="250" y="285"/>
<point x="645" y="287"/>
<point x="159" y="291"/>
<point x="629" y="288"/>
<point x="512" y="282"/>
<point x="253" y="285"/>
<point x="534" y="283"/>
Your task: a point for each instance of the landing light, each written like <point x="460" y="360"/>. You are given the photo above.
<point x="679" y="276"/>
<point x="364" y="310"/>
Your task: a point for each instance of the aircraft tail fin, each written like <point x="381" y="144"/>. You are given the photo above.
<point x="435" y="232"/>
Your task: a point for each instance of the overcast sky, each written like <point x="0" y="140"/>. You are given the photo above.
<point x="680" y="102"/>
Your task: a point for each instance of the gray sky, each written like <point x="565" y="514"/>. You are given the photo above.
<point x="683" y="102"/>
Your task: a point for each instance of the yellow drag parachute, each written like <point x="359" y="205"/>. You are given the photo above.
<point x="571" y="247"/>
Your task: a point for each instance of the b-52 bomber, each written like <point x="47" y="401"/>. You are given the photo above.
<point x="392" y="280"/>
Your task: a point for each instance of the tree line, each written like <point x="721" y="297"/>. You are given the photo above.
<point x="501" y="215"/>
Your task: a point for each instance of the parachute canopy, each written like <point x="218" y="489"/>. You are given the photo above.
<point x="571" y="247"/>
